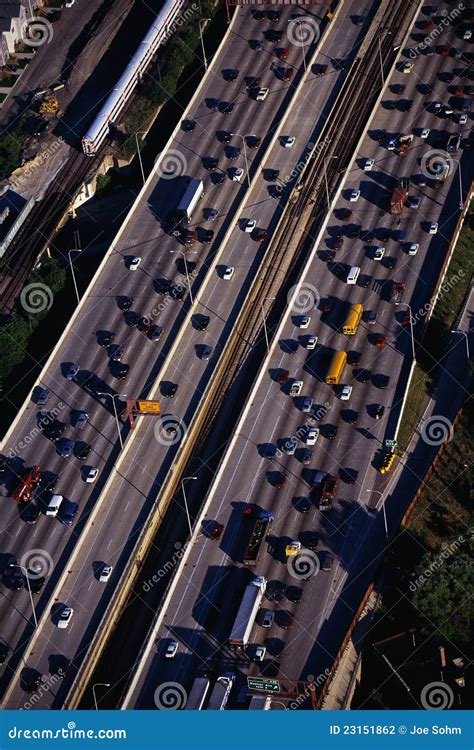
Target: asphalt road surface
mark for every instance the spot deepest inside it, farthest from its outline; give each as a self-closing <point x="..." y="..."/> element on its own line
<point x="120" y="517"/>
<point x="207" y="595"/>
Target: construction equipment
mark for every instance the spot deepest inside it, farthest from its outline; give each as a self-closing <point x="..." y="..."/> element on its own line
<point x="49" y="106"/>
<point x="404" y="143"/>
<point x="24" y="489"/>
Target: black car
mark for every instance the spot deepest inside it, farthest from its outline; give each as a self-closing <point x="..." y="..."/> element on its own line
<point x="4" y="651"/>
<point x="41" y="396"/>
<point x="207" y="236"/>
<point x="350" y="416"/>
<point x="311" y="540"/>
<point x="302" y="504"/>
<point x="363" y="376"/>
<point x="218" y="178"/>
<point x="131" y="318"/>
<point x="144" y="324"/>
<point x="230" y="75"/>
<point x="49" y="480"/>
<point x="121" y="370"/>
<point x="35" y="582"/>
<point x="31" y="679"/>
<point x="105" y="338"/>
<point x="162" y="286"/>
<point x="364" y="281"/>
<point x="125" y="303"/>
<point x="353" y="358"/>
<point x="210" y="163"/>
<point x="29" y="512"/>
<point x="276" y="592"/>
<point x="390" y="262"/>
<point x="82" y="450"/>
<point x="188" y="125"/>
<point x="226" y="137"/>
<point x="227" y="108"/>
<point x="294" y="594"/>
<point x="155" y="333"/>
<point x="329" y="431"/>
<point x="381" y="381"/>
<point x="13" y="578"/>
<point x="327" y="561"/>
<point x="201" y="322"/>
<point x="171" y="390"/>
<point x="54" y="430"/>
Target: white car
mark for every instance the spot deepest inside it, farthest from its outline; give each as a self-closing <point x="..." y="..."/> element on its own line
<point x="467" y="35"/>
<point x="433" y="229"/>
<point x="228" y="273"/>
<point x="171" y="650"/>
<point x="289" y="141"/>
<point x="249" y="225"/>
<point x="134" y="263"/>
<point x="425" y="133"/>
<point x="369" y="163"/>
<point x="260" y="652"/>
<point x="354" y="196"/>
<point x="105" y="573"/>
<point x="304" y="321"/>
<point x="407" y="67"/>
<point x="90" y="474"/>
<point x="391" y="145"/>
<point x="311" y="435"/>
<point x="261" y="95"/>
<point x="69" y="3"/>
<point x="65" y="618"/>
<point x="311" y="342"/>
<point x="379" y="252"/>
<point x="346" y="392"/>
<point x="461" y="118"/>
<point x="413" y="249"/>
<point x="237" y="174"/>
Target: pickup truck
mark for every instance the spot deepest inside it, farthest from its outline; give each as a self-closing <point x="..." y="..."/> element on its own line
<point x="296" y="388"/>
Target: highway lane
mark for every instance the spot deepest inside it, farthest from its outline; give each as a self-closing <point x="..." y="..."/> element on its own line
<point x="206" y="598"/>
<point x="140" y="483"/>
<point x="144" y="236"/>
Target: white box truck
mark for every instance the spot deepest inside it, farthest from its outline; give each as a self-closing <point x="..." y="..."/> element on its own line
<point x="248" y="609"/>
<point x="220" y="692"/>
<point x="191" y="197"/>
<point x="198" y="694"/>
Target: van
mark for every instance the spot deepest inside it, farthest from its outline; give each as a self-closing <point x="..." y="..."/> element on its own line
<point x="67" y="512"/>
<point x="54" y="505"/>
<point x="353" y="275"/>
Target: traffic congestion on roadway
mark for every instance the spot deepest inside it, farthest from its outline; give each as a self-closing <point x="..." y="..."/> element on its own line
<point x="310" y="443"/>
<point x="64" y="446"/>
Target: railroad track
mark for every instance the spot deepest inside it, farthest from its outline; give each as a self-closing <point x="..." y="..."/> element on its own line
<point x="42" y="224"/>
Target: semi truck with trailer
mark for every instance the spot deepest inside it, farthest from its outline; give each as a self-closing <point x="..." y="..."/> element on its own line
<point x="399" y="196"/>
<point x="261" y="525"/>
<point x="220" y="692"/>
<point x="191" y="197"/>
<point x="398" y="291"/>
<point x="248" y="609"/>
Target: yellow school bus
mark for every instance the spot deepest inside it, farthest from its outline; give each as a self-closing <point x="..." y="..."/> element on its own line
<point x="352" y="320"/>
<point x="336" y="368"/>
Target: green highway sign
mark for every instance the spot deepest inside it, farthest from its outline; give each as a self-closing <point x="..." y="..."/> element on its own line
<point x="260" y="683"/>
<point x="391" y="443"/>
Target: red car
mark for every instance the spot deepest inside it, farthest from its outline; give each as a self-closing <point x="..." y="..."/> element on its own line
<point x="406" y="319"/>
<point x="282" y="377"/>
<point x="283" y="53"/>
<point x="216" y="532"/>
<point x="280" y="481"/>
<point x="261" y="235"/>
<point x="380" y="340"/>
<point x="287" y="74"/>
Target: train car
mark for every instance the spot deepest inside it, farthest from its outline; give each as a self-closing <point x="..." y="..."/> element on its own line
<point x="115" y="102"/>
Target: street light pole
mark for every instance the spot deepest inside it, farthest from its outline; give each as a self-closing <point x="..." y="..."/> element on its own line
<point x="74" y="250"/>
<point x="466" y="336"/>
<point x="113" y="396"/>
<point x="25" y="573"/>
<point x="300" y="23"/>
<point x="178" y="250"/>
<point x="383" y="510"/>
<point x="264" y="321"/>
<point x="98" y="684"/>
<point x="411" y="328"/>
<point x="140" y="132"/>
<point x="184" y="479"/>
<point x="201" y="21"/>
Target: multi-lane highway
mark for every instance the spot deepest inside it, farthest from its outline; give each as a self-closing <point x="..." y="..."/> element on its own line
<point x="205" y="600"/>
<point x="121" y="515"/>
